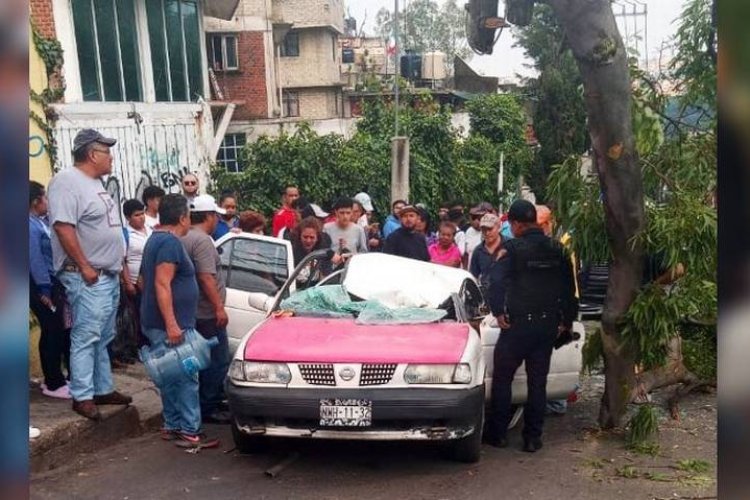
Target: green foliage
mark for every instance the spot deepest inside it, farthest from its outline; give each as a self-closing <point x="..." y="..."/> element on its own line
<point x="50" y="50"/>
<point x="643" y="428"/>
<point x="694" y="466"/>
<point x="442" y="165"/>
<point x="500" y="119"/>
<point x="648" y="448"/>
<point x="699" y="351"/>
<point x="694" y="65"/>
<point x="628" y="472"/>
<point x="559" y="108"/>
<point x="592" y="353"/>
<point x="579" y="210"/>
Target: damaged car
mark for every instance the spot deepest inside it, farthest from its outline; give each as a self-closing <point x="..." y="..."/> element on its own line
<point x="385" y="348"/>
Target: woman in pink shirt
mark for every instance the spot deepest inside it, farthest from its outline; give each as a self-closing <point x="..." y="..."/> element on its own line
<point x="445" y="251"/>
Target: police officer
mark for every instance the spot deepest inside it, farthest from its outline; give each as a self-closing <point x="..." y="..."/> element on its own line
<point x="532" y="294"/>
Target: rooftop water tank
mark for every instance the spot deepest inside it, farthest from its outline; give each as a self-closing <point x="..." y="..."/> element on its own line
<point x="411" y="66"/>
<point x="433" y="66"/>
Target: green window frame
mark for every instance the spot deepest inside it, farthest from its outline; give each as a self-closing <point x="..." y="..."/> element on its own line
<point x="107" y="46"/>
<point x="176" y="54"/>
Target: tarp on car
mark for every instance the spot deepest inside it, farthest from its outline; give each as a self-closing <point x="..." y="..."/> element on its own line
<point x="332" y="301"/>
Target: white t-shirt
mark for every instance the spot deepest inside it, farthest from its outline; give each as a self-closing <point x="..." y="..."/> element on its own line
<point x="136" y="244"/>
<point x="473" y="239"/>
<point x="152" y="222"/>
<point x="460" y="239"/>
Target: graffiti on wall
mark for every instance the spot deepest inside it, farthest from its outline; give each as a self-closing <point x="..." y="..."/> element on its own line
<point x="37" y="146"/>
<point x="157" y="154"/>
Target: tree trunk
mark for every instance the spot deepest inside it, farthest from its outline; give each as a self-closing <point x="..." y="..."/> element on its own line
<point x="592" y="35"/>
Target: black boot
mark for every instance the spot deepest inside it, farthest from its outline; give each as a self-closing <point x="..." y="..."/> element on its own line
<point x="531" y="445"/>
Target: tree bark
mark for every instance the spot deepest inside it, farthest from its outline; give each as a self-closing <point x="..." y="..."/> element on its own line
<point x="593" y="37"/>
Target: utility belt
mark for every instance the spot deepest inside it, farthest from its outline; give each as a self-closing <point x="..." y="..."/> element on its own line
<point x="72" y="267"/>
<point x="533" y="317"/>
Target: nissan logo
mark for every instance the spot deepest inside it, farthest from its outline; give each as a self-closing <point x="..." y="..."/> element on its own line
<point x="347" y="373"/>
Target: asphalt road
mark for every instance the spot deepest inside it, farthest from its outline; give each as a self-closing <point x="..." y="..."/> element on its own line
<point x="576" y="462"/>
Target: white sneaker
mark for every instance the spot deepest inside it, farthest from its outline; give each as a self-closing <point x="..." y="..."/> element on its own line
<point x="34" y="432"/>
<point x="62" y="392"/>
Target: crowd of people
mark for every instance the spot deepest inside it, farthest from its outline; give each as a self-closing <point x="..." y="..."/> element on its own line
<point x="162" y="267"/>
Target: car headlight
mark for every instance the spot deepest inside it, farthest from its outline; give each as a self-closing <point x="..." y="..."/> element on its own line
<point x="253" y="371"/>
<point x="438" y="374"/>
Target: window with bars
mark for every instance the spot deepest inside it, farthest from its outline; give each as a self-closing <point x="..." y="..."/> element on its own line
<point x="107" y="46"/>
<point x="290" y="45"/>
<point x="223" y="52"/>
<point x="229" y="152"/>
<point x="290" y="102"/>
<point x="174" y="37"/>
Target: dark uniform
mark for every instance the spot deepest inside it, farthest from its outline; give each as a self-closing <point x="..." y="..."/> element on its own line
<point x="532" y="283"/>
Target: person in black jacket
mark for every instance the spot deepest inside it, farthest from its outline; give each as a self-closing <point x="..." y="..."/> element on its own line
<point x="405" y="241"/>
<point x="532" y="294"/>
<point x="307" y="237"/>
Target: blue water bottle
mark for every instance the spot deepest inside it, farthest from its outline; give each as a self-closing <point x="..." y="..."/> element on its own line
<point x="166" y="364"/>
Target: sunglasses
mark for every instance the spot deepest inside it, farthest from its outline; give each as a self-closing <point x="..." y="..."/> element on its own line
<point x="476" y="217"/>
<point x="189" y="183"/>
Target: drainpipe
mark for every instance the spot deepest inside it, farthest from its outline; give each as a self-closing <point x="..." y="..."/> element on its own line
<point x="278" y="78"/>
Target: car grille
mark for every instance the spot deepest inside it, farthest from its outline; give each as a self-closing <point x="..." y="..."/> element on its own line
<point x="318" y="374"/>
<point x="377" y="374"/>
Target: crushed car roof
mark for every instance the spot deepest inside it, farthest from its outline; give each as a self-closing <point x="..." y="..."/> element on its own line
<point x="400" y="282"/>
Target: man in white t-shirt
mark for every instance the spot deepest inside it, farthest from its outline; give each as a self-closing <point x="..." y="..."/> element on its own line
<point x="138" y="234"/>
<point x="152" y="196"/>
<point x="347" y="237"/>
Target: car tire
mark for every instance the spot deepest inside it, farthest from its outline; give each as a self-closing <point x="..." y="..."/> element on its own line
<point x="247" y="444"/>
<point x="468" y="449"/>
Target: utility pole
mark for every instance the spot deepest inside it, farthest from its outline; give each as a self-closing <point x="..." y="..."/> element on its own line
<point x="399" y="145"/>
<point x="397" y="66"/>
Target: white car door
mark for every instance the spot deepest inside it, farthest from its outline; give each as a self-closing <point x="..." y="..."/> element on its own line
<point x="564" y="370"/>
<point x="251" y="263"/>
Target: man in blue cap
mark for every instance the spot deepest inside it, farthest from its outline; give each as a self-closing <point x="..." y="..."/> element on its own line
<point x="88" y="250"/>
<point x="532" y="294"/>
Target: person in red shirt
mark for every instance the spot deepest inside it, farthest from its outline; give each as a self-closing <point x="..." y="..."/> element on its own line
<point x="286" y="216"/>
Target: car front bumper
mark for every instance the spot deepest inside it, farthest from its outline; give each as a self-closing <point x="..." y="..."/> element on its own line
<point x="397" y="414"/>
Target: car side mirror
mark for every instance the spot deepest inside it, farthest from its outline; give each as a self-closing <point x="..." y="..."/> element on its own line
<point x="260" y="301"/>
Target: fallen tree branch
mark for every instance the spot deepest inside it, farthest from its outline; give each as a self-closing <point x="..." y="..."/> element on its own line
<point x="673" y="372"/>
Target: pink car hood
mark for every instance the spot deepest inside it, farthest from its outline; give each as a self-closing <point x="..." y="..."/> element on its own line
<point x="325" y="340"/>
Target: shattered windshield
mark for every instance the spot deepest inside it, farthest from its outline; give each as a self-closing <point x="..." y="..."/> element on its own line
<point x="333" y="301"/>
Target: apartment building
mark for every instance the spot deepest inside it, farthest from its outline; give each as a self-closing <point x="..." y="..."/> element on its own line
<point x="278" y="61"/>
<point x="136" y="70"/>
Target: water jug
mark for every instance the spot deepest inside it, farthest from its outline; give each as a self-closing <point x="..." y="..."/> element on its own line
<point x="166" y="364"/>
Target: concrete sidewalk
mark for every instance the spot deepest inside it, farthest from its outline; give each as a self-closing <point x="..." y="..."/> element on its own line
<point x="64" y="433"/>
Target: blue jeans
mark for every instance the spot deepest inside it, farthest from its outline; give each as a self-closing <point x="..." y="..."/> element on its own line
<point x="212" y="378"/>
<point x="93" y="309"/>
<point x="179" y="399"/>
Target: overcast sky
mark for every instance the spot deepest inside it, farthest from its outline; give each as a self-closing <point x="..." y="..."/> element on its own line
<point x="506" y="61"/>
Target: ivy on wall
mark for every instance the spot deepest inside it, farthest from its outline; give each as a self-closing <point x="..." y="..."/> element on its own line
<point x="51" y="53"/>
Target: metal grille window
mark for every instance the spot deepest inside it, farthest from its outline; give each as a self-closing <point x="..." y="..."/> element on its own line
<point x="377" y="374"/>
<point x="174" y="36"/>
<point x="107" y="46"/>
<point x="229" y="152"/>
<point x="223" y="52"/>
<point x="317" y="373"/>
<point x="291" y="103"/>
<point x="290" y="45"/>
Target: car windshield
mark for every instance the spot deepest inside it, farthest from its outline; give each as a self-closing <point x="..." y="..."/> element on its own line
<point x="333" y="301"/>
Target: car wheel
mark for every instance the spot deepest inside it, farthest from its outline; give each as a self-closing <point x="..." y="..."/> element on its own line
<point x="247" y="444"/>
<point x="468" y="449"/>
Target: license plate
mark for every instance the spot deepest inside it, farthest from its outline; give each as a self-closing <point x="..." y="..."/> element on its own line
<point x="345" y="412"/>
